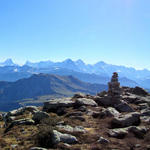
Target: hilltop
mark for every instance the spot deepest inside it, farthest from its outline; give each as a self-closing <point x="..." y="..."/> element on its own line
<point x="115" y="119"/>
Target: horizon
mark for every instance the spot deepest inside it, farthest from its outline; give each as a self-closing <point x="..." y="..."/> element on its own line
<point x="71" y="60"/>
<point x="113" y="31"/>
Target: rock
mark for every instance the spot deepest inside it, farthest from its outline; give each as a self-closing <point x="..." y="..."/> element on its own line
<point x="103" y="140"/>
<point x="145" y="119"/>
<point x="54" y="105"/>
<point x="145" y="112"/>
<point x="118" y="133"/>
<point x="126" y="120"/>
<point x="139" y="131"/>
<point x="15" y="112"/>
<point x="65" y="138"/>
<point x="37" y="148"/>
<point x="131" y="98"/>
<point x="85" y="102"/>
<point x="79" y="95"/>
<point x="31" y="109"/>
<point x="124" y="107"/>
<point x="139" y="91"/>
<point x="103" y="101"/>
<point x="1" y="117"/>
<point x="21" y="110"/>
<point x="68" y="128"/>
<point x="20" y="122"/>
<point x="82" y="108"/>
<point x="143" y="106"/>
<point x="40" y="115"/>
<point x="112" y="112"/>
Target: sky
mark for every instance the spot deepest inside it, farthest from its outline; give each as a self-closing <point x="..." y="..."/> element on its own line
<point x="113" y="31"/>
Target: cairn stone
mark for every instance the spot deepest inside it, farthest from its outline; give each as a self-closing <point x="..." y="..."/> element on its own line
<point x="114" y="91"/>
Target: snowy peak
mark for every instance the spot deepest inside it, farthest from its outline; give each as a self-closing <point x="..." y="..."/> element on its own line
<point x="8" y="62"/>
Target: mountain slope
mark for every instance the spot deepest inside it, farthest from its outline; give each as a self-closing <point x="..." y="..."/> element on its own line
<point x="44" y="84"/>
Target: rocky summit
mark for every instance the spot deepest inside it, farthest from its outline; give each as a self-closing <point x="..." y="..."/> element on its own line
<point x="117" y="119"/>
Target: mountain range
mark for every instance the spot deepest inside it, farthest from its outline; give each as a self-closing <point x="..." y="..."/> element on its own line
<point x="97" y="73"/>
<point x="11" y="93"/>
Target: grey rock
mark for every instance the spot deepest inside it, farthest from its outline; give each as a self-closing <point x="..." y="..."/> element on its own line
<point x="139" y="91"/>
<point x="20" y="122"/>
<point x="103" y="140"/>
<point x="68" y="128"/>
<point x="54" y="105"/>
<point x="145" y="112"/>
<point x="112" y="112"/>
<point x="126" y="120"/>
<point x="85" y="102"/>
<point x="40" y="115"/>
<point x="131" y="98"/>
<point x="65" y="138"/>
<point x="139" y="131"/>
<point x="124" y="107"/>
<point x="118" y="133"/>
<point x="79" y="95"/>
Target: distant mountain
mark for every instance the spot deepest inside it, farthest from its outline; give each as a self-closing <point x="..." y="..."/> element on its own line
<point x="97" y="73"/>
<point x="100" y="68"/>
<point x="12" y="73"/>
<point x="7" y="62"/>
<point x="44" y="84"/>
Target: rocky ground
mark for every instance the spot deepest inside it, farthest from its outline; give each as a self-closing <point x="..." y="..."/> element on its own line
<point x="83" y="122"/>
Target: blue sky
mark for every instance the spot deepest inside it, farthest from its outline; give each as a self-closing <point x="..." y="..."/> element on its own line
<point x="114" y="31"/>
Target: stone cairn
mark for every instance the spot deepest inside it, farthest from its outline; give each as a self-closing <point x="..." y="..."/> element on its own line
<point x="114" y="91"/>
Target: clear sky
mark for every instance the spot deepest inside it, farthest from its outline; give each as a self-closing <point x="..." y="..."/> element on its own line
<point x="114" y="31"/>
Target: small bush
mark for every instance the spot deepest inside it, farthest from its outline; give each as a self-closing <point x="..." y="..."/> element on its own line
<point x="44" y="137"/>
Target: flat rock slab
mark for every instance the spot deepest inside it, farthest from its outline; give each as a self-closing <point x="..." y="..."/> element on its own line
<point x="85" y="102"/>
<point x="58" y="103"/>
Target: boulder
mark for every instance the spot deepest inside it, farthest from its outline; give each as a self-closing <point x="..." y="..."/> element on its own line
<point x="21" y="110"/>
<point x="118" y="133"/>
<point x="112" y="112"/>
<point x="85" y="102"/>
<point x="145" y="112"/>
<point x="126" y="120"/>
<point x="102" y="140"/>
<point x="68" y="128"/>
<point x="143" y="106"/>
<point x="65" y="138"/>
<point x="124" y="107"/>
<point x="26" y="121"/>
<point x="139" y="91"/>
<point x="103" y="101"/>
<point x="131" y="98"/>
<point x="79" y="95"/>
<point x="31" y="109"/>
<point x="40" y="115"/>
<point x="139" y="131"/>
<point x="55" y="105"/>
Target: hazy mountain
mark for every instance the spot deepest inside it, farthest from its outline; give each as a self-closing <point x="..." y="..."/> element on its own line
<point x="7" y="62"/>
<point x="12" y="73"/>
<point x="45" y="84"/>
<point x="96" y="73"/>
